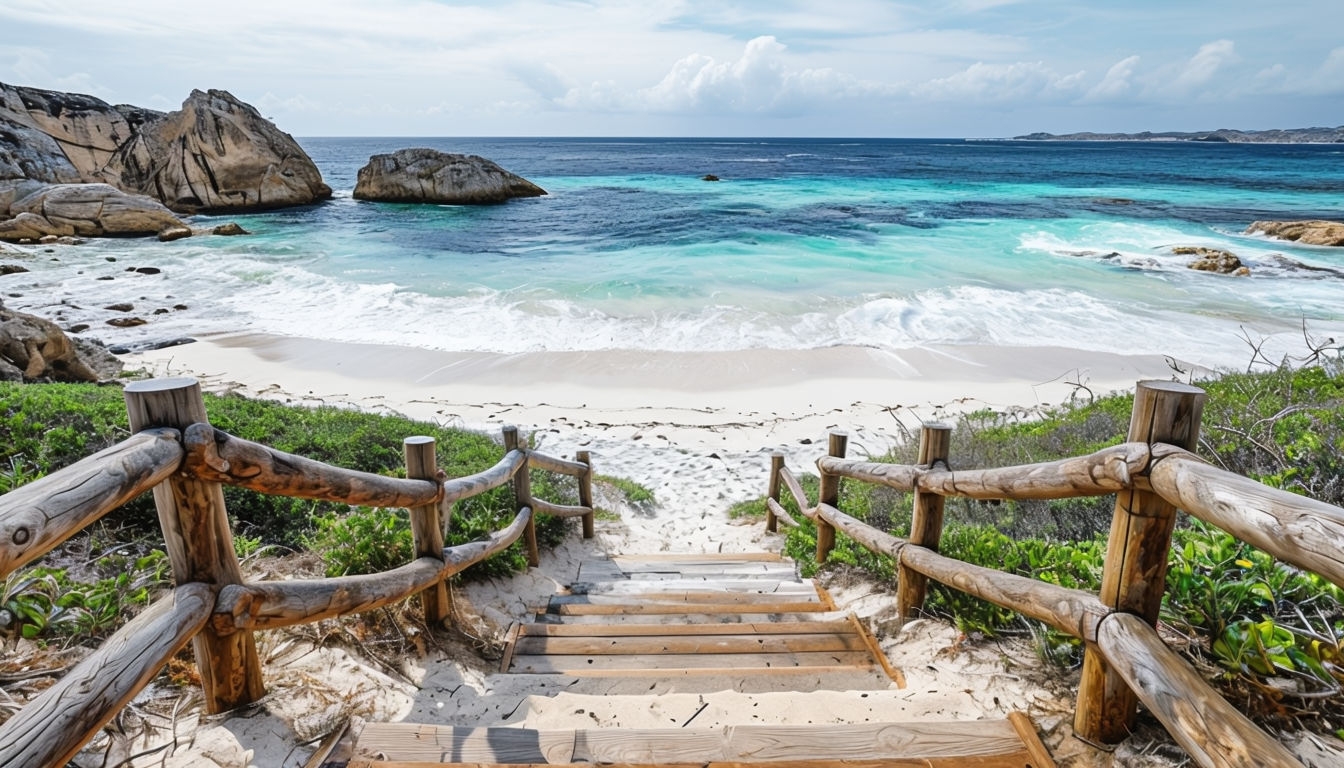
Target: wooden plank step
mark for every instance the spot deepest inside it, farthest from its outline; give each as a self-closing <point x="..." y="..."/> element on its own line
<point x="743" y="663"/>
<point x="606" y="570"/>
<point x="967" y="741"/>
<point x="700" y="629"/>
<point x="586" y="608"/>
<point x="692" y="586"/>
<point x="749" y="599"/>
<point x="845" y="639"/>
<point x="729" y="618"/>
<point x="702" y="558"/>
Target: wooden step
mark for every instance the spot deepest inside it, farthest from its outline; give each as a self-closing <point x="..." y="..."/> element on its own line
<point x="728" y="618"/>
<point x="978" y="744"/>
<point x="767" y="627"/>
<point x="584" y="607"/>
<point x="764" y="586"/>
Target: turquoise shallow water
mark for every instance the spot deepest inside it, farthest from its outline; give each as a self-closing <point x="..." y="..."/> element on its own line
<point x="803" y="244"/>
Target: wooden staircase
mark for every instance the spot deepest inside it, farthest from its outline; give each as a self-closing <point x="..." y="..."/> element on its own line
<point x="747" y="618"/>
<point x="673" y="624"/>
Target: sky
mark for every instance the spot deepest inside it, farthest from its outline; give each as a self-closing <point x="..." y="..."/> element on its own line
<point x="861" y="68"/>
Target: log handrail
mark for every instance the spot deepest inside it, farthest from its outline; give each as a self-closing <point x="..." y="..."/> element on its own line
<point x="1295" y="529"/>
<point x="559" y="510"/>
<point x="186" y="461"/>
<point x="52" y="728"/>
<point x="1106" y="471"/>
<point x="474" y="485"/>
<point x="216" y="456"/>
<point x="795" y="490"/>
<point x="37" y="517"/>
<point x="547" y="463"/>
<point x="1117" y="631"/>
<point x="274" y="604"/>
<point x="1209" y="728"/>
<point x="781" y="514"/>
<point x="1072" y="611"/>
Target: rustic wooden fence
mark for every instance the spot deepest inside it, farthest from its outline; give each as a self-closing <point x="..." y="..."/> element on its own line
<point x="1153" y="474"/>
<point x="176" y="452"/>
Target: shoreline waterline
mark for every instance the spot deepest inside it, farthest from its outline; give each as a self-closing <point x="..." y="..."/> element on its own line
<point x="737" y="401"/>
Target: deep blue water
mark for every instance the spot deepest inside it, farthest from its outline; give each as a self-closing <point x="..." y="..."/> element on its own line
<point x="803" y="243"/>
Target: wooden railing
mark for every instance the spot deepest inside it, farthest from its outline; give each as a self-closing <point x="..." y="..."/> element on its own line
<point x="176" y="452"/>
<point x="1153" y="474"/>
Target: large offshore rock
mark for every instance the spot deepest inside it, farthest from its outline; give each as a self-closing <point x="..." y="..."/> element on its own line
<point x="431" y="176"/>
<point x="86" y="210"/>
<point x="217" y="154"/>
<point x="1306" y="232"/>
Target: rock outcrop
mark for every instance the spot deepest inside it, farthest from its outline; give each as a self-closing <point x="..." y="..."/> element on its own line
<point x="1213" y="260"/>
<point x="215" y="154"/>
<point x="34" y="349"/>
<point x="1306" y="232"/>
<point x="31" y="211"/>
<point x="430" y="176"/>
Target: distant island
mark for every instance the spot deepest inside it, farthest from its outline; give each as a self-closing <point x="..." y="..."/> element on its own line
<point x="1222" y="135"/>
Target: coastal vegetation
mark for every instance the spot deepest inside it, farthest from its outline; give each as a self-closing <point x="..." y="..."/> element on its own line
<point x="1272" y="636"/>
<point x="86" y="589"/>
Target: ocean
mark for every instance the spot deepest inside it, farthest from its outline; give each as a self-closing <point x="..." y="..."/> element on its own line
<point x="803" y="243"/>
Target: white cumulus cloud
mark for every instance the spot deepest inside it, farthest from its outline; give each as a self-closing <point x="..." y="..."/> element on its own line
<point x="1206" y="63"/>
<point x="1117" y="82"/>
<point x="999" y="83"/>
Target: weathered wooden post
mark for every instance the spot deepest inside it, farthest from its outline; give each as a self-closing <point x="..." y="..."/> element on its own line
<point x="1135" y="571"/>
<point x="199" y="541"/>
<point x="776" y="480"/>
<point x="586" y="492"/>
<point x="427" y="525"/>
<point x="829" y="494"/>
<point x="926" y="521"/>
<point x="522" y="494"/>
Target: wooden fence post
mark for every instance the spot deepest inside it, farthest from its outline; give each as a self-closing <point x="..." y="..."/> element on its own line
<point x="829" y="494"/>
<point x="776" y="480"/>
<point x="1135" y="572"/>
<point x="427" y="526"/>
<point x="926" y="522"/>
<point x="199" y="541"/>
<point x="586" y="492"/>
<point x="522" y="494"/>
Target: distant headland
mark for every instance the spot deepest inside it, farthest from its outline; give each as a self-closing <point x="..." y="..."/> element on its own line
<point x="1222" y="135"/>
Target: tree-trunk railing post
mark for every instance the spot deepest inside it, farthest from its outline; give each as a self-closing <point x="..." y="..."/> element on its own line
<point x="776" y="480"/>
<point x="586" y="493"/>
<point x="926" y="521"/>
<point x="199" y="542"/>
<point x="1135" y="571"/>
<point x="829" y="494"/>
<point x="427" y="526"/>
<point x="522" y="494"/>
